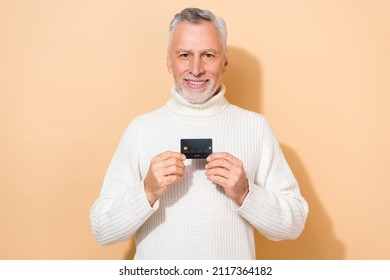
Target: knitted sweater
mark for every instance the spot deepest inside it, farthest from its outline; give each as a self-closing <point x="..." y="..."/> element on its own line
<point x="195" y="219"/>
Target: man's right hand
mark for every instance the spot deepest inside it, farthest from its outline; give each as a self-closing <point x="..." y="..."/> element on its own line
<point x="164" y="170"/>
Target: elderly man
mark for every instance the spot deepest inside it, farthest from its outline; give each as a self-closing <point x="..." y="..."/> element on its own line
<point x="181" y="208"/>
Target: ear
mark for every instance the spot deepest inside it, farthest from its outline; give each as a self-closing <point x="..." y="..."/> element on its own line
<point x="169" y="65"/>
<point x="224" y="69"/>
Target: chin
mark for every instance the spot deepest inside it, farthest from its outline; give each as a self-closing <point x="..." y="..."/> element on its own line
<point x="197" y="98"/>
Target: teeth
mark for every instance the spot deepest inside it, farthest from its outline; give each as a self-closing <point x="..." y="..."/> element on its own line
<point x="196" y="82"/>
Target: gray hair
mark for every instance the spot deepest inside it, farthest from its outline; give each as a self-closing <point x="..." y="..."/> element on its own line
<point x="195" y="15"/>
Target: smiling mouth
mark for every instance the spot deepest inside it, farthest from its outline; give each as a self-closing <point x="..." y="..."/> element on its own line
<point x="196" y="82"/>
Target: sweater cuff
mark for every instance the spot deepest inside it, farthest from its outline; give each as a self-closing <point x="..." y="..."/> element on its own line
<point x="252" y="202"/>
<point x="141" y="204"/>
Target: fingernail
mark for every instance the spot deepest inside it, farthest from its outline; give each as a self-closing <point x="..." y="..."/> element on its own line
<point x="183" y="157"/>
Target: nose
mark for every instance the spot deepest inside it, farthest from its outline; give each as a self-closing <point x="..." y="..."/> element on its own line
<point x="196" y="66"/>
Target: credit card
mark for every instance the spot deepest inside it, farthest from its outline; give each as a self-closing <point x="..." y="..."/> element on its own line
<point x="196" y="148"/>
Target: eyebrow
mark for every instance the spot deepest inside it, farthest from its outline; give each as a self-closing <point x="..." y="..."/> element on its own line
<point x="183" y="50"/>
<point x="191" y="51"/>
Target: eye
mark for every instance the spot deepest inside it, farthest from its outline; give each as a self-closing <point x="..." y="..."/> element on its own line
<point x="209" y="55"/>
<point x="184" y="55"/>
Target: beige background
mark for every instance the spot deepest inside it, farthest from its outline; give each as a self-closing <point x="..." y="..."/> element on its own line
<point x="74" y="73"/>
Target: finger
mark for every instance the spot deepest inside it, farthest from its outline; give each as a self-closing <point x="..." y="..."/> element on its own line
<point x="171" y="179"/>
<point x="171" y="162"/>
<point x="219" y="172"/>
<point x="219" y="163"/>
<point x="166" y="176"/>
<point x="170" y="167"/>
<point x="164" y="160"/>
<point x="174" y="170"/>
<point x="169" y="154"/>
<point x="223" y="155"/>
<point x="160" y="170"/>
<point x="218" y="180"/>
<point x="232" y="168"/>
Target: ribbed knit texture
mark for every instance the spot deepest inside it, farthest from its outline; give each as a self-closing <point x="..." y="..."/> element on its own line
<point x="195" y="219"/>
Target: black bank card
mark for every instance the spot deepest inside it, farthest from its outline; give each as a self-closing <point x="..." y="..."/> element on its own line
<point x="196" y="148"/>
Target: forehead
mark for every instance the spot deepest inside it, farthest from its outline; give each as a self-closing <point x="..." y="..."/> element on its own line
<point x="203" y="35"/>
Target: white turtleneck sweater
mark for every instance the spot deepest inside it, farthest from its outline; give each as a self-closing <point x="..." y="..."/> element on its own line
<point x="195" y="219"/>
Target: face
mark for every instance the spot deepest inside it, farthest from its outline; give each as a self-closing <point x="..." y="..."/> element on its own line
<point x="197" y="60"/>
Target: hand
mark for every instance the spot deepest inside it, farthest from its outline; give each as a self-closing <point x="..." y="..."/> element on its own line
<point x="164" y="170"/>
<point x="228" y="172"/>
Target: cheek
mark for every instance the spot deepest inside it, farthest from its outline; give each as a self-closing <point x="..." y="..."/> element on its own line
<point x="218" y="73"/>
<point x="178" y="67"/>
<point x="218" y="69"/>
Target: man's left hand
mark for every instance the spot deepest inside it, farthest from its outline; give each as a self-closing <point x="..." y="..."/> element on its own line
<point x="228" y="172"/>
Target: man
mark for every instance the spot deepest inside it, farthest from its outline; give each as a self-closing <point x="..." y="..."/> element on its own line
<point x="182" y="208"/>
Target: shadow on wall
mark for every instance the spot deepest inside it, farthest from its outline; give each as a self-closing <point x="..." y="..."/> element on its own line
<point x="318" y="240"/>
<point x="243" y="80"/>
<point x="131" y="251"/>
<point x="244" y="89"/>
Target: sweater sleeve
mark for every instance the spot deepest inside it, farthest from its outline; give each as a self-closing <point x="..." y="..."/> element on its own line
<point x="122" y="206"/>
<point x="274" y="205"/>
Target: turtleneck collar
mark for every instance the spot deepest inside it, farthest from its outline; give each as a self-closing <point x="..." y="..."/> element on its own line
<point x="215" y="105"/>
